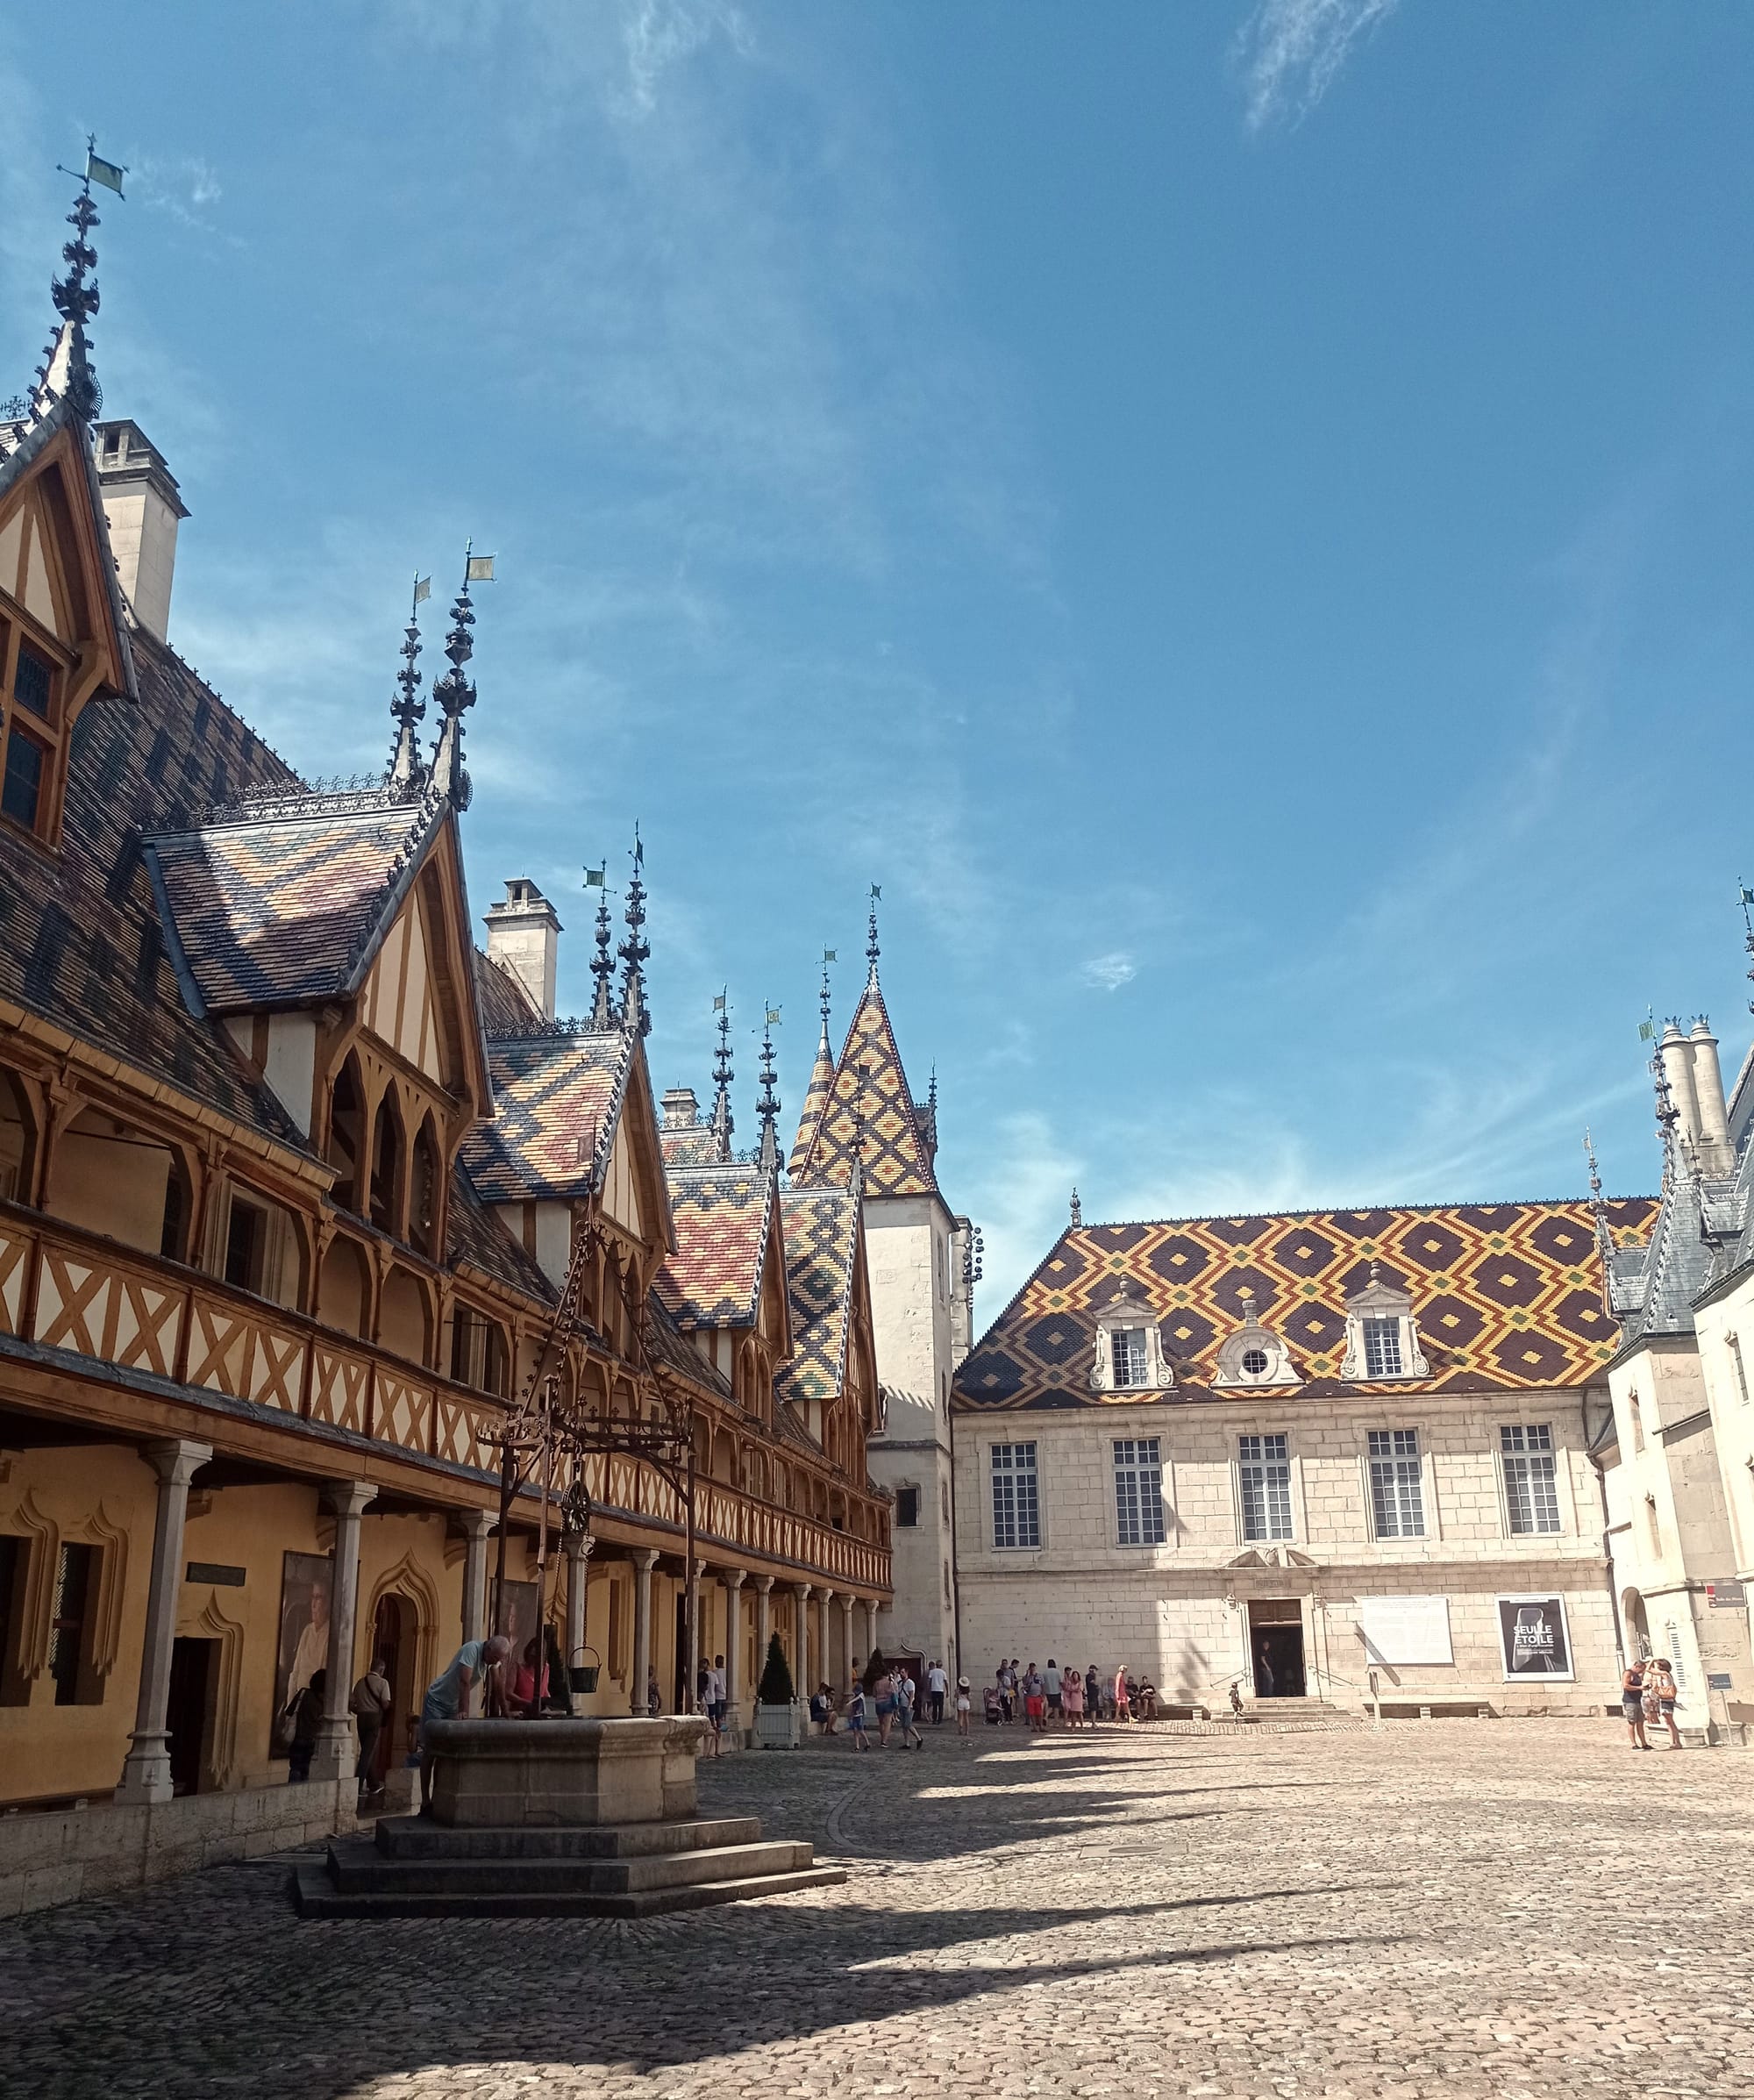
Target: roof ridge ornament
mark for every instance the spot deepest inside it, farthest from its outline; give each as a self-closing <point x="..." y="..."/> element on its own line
<point x="602" y="962"/>
<point x="830" y="956"/>
<point x="872" y="950"/>
<point x="767" y="1100"/>
<point x="66" y="370"/>
<point x="454" y="693"/>
<point x="1604" y="1230"/>
<point x="635" y="951"/>
<point x="1746" y="896"/>
<point x="723" y="1121"/>
<point x="408" y="710"/>
<point x="1077" y="1222"/>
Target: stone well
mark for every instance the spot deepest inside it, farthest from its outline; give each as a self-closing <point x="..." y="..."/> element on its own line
<point x="511" y="1774"/>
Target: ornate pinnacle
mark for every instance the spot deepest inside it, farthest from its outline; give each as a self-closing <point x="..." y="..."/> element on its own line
<point x="634" y="951"/>
<point x="871" y="947"/>
<point x="602" y="968"/>
<point x="75" y="299"/>
<point x="1747" y="897"/>
<point x="1667" y="1116"/>
<point x="1604" y="1233"/>
<point x="408" y="709"/>
<point x="454" y="693"/>
<point x="767" y="1100"/>
<point x="723" y="1121"/>
<point x="828" y="957"/>
<point x="1077" y="1211"/>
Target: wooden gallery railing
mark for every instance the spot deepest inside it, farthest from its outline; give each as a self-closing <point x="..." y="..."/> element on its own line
<point x="66" y="1289"/>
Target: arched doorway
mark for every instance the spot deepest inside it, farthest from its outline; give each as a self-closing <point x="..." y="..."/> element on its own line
<point x="396" y="1627"/>
<point x="1638" y="1647"/>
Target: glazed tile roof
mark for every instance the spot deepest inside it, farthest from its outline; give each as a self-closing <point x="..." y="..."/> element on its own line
<point x="507" y="1008"/>
<point x="81" y="941"/>
<point x="821" y="1229"/>
<point x="288" y="908"/>
<point x="476" y="1236"/>
<point x="722" y="1215"/>
<point x="816" y="1102"/>
<point x="556" y="1099"/>
<point x="673" y="1349"/>
<point x="693" y="1146"/>
<point x="1504" y="1295"/>
<point x="870" y="1093"/>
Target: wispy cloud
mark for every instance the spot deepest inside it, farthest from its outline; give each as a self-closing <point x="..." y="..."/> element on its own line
<point x="658" y="34"/>
<point x="1109" y="973"/>
<point x="1291" y="51"/>
<point x="185" y="187"/>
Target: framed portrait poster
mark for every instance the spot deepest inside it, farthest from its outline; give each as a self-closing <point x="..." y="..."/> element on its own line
<point x="1534" y="1637"/>
<point x="307" y="1586"/>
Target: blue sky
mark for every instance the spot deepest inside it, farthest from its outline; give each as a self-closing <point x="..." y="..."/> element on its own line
<point x="1237" y="519"/>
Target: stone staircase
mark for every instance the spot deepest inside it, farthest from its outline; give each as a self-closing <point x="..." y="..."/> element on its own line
<point x="415" y="1868"/>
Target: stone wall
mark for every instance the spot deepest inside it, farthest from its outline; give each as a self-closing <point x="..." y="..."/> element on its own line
<point x="59" y="1857"/>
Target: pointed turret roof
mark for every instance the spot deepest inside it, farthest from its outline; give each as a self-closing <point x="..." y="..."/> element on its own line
<point x="869" y="1114"/>
<point x="821" y="1087"/>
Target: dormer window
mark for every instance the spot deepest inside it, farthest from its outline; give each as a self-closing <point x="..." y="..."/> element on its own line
<point x="1130" y="1353"/>
<point x="1382" y="1338"/>
<point x="1254" y="1355"/>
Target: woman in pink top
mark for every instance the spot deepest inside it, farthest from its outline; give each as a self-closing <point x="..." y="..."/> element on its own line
<point x="1123" y="1710"/>
<point x="1072" y="1697"/>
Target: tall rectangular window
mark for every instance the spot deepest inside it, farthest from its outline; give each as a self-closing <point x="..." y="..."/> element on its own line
<point x="1397" y="1495"/>
<point x="1732" y="1342"/>
<point x="68" y="1616"/>
<point x="1531" y="1487"/>
<point x="907" y="1508"/>
<point x="1016" y="1512"/>
<point x="1382" y="1348"/>
<point x="1128" y="1347"/>
<point x="1265" y="1472"/>
<point x="1138" y="1491"/>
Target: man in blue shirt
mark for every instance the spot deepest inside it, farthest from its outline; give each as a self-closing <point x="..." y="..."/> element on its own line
<point x="447" y="1697"/>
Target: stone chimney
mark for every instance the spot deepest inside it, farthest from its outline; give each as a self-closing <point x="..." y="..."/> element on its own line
<point x="1677" y="1053"/>
<point x="523" y="933"/>
<point x="682" y="1111"/>
<point x="1716" y="1154"/>
<point x="141" y="503"/>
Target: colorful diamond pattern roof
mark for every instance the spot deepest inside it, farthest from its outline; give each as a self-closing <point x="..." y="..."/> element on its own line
<point x="283" y="911"/>
<point x="721" y="1214"/>
<point x="816" y="1102"/>
<point x="556" y="1098"/>
<point x="871" y="1098"/>
<point x="822" y="1243"/>
<point x="1504" y="1295"/>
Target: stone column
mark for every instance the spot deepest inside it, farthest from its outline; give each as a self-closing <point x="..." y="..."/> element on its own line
<point x="801" y="1641"/>
<point x="145" y="1772"/>
<point x="644" y="1561"/>
<point x="825" y="1643"/>
<point x="578" y="1579"/>
<point x="764" y="1608"/>
<point x="733" y="1580"/>
<point x="870" y="1605"/>
<point x="337" y="1753"/>
<point x="846" y="1649"/>
<point x="477" y="1527"/>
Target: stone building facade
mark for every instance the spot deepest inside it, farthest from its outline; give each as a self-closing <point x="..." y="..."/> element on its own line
<point x="1302" y="1455"/>
<point x="304" y="1191"/>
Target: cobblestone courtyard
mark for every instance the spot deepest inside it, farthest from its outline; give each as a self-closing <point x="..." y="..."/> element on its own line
<point x="1447" y="1908"/>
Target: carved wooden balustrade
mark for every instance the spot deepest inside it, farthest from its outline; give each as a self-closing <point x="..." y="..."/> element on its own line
<point x="65" y="1288"/>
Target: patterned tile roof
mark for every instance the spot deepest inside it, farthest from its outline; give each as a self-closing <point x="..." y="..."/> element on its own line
<point x="723" y="1214"/>
<point x="871" y="1091"/>
<point x="672" y="1348"/>
<point x="821" y="1228"/>
<point x="1504" y="1295"/>
<point x="81" y="941"/>
<point x="815" y="1103"/>
<point x="288" y="908"/>
<point x="556" y="1100"/>
<point x="694" y="1145"/>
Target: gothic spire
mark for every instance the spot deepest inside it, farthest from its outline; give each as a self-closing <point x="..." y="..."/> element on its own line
<point x="1667" y="1115"/>
<point x="819" y="1093"/>
<point x="66" y="369"/>
<point x="824" y="1049"/>
<point x="407" y="708"/>
<point x="602" y="963"/>
<point x="723" y="1121"/>
<point x="635" y="951"/>
<point x="1604" y="1231"/>
<point x="871" y="947"/>
<point x="767" y="1100"/>
<point x="454" y="693"/>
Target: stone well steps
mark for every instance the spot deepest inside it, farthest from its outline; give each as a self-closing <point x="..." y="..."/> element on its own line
<point x="413" y="1868"/>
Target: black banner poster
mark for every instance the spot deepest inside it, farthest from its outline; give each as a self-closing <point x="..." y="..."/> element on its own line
<point x="1533" y="1636"/>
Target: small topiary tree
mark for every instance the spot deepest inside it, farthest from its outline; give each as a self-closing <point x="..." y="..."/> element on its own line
<point x="775" y="1689"/>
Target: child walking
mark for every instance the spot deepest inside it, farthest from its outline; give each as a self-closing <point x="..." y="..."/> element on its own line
<point x="964" y="1705"/>
<point x="855" y="1718"/>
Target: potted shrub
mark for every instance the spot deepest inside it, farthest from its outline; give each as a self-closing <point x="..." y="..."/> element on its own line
<point x="779" y="1723"/>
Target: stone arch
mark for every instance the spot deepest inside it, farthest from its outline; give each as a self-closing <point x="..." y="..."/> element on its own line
<point x="1636" y="1622"/>
<point x="426" y="1190"/>
<point x="405" y="1316"/>
<point x="389" y="1163"/>
<point x="212" y="1623"/>
<point x="19" y="1137"/>
<point x="344" y="1288"/>
<point x="344" y="1148"/>
<point x="410" y="1581"/>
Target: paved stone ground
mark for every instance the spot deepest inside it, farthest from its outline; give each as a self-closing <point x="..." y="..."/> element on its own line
<point x="1455" y="1909"/>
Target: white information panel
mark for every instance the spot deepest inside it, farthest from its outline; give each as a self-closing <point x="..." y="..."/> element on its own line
<point x="1406" y="1629"/>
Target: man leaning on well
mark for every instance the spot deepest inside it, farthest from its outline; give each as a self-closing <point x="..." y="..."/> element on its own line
<point x="448" y="1698"/>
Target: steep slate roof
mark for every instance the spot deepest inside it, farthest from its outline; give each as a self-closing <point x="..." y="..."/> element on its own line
<point x="869" y="1083"/>
<point x="723" y="1214"/>
<point x="556" y="1100"/>
<point x="1504" y="1295"/>
<point x="476" y="1236"/>
<point x="821" y="1229"/>
<point x="81" y="942"/>
<point x="287" y="907"/>
<point x="507" y="1008"/>
<point x="672" y="1349"/>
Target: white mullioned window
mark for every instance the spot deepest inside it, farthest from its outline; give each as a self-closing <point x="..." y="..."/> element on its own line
<point x="1127" y="1345"/>
<point x="1382" y="1348"/>
<point x="1138" y="1491"/>
<point x="1265" y="1471"/>
<point x="1016" y="1508"/>
<point x="1397" y="1493"/>
<point x="1531" y="1486"/>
